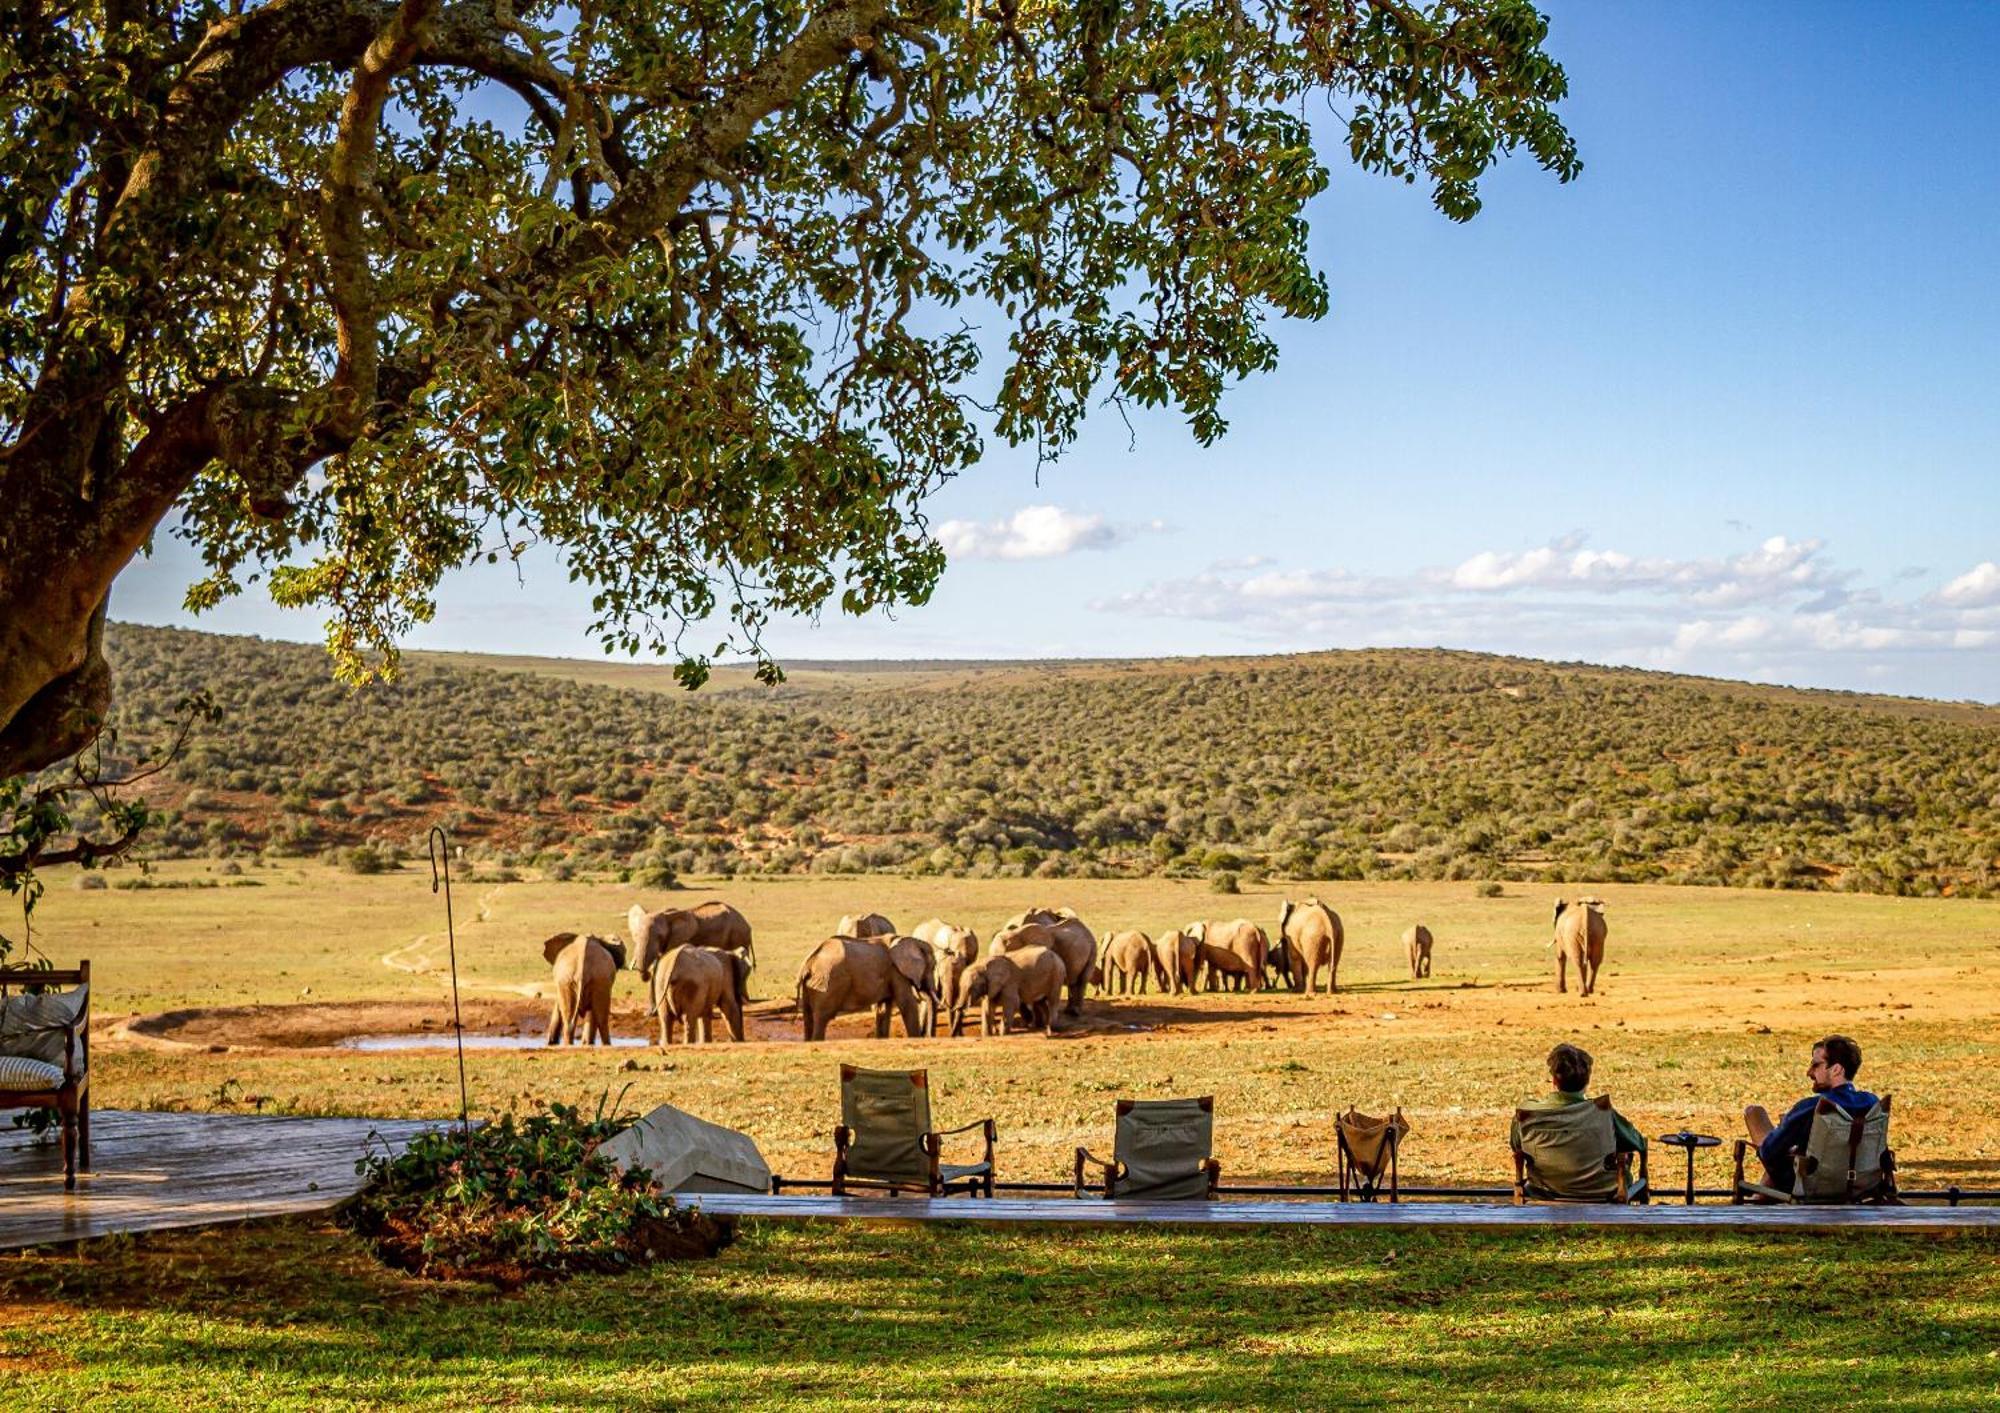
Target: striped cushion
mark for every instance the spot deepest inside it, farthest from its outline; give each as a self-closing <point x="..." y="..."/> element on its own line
<point x="20" y="1072"/>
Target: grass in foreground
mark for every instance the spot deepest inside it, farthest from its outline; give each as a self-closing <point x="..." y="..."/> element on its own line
<point x="296" y="1314"/>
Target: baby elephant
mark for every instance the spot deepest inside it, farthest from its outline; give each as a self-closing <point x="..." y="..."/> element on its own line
<point x="1417" y="941"/>
<point x="585" y="967"/>
<point x="692" y="984"/>
<point x="1029" y="980"/>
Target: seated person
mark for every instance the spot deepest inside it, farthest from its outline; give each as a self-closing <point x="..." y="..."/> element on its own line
<point x="1569" y="1072"/>
<point x="1835" y="1060"/>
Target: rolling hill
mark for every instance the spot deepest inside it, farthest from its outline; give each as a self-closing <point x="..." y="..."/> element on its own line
<point x="1375" y="764"/>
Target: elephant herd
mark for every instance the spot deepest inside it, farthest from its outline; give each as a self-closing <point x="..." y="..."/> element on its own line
<point x="697" y="961"/>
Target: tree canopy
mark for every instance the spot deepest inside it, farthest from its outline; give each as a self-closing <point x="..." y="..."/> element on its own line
<point x="697" y="291"/>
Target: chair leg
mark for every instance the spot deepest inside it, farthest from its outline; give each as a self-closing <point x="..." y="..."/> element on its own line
<point x="83" y="1133"/>
<point x="68" y="1113"/>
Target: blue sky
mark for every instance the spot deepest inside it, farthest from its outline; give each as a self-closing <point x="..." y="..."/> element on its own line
<point x="1726" y="405"/>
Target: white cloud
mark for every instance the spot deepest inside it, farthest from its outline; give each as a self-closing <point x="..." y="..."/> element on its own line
<point x="1782" y="610"/>
<point x="1977" y="587"/>
<point x="1032" y="532"/>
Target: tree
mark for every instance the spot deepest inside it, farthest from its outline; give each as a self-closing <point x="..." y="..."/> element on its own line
<point x="361" y="290"/>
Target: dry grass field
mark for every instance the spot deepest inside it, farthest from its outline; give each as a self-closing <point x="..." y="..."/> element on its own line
<point x="236" y="997"/>
<point x="1709" y="998"/>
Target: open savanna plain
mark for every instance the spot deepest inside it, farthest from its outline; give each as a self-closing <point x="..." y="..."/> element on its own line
<point x="236" y="998"/>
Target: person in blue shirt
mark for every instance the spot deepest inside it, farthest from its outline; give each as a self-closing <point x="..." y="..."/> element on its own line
<point x="1835" y="1061"/>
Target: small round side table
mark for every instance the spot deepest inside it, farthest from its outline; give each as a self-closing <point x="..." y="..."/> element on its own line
<point x="1690" y="1141"/>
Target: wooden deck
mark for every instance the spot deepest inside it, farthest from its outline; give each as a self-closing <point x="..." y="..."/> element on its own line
<point x="1068" y="1211"/>
<point x="153" y="1171"/>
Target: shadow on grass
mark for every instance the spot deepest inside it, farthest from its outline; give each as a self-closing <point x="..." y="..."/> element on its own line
<point x="913" y="1316"/>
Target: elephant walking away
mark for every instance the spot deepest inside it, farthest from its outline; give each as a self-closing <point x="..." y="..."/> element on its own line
<point x="1224" y="968"/>
<point x="1243" y="940"/>
<point x="1309" y="937"/>
<point x="1177" y="957"/>
<point x="711" y="924"/>
<point x="1127" y="963"/>
<point x="845" y="974"/>
<point x="585" y="967"/>
<point x="1579" y="939"/>
<point x="691" y="984"/>
<point x="1417" y="942"/>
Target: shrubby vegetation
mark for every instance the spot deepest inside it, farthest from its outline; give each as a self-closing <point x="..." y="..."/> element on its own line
<point x="1405" y="764"/>
<point x="511" y="1203"/>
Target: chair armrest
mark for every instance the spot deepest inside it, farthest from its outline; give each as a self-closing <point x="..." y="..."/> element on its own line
<point x="1085" y="1156"/>
<point x="987" y="1126"/>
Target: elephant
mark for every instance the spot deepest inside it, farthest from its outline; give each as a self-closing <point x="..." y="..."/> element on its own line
<point x="1579" y="938"/>
<point x="1222" y="965"/>
<point x="1417" y="942"/>
<point x="691" y="983"/>
<point x="1241" y="939"/>
<point x="1029" y="980"/>
<point x="1174" y="954"/>
<point x="712" y="924"/>
<point x="867" y="925"/>
<point x="1072" y="940"/>
<point x="1309" y="937"/>
<point x="1129" y="957"/>
<point x="845" y="974"/>
<point x="947" y="938"/>
<point x="585" y="968"/>
<point x="918" y="963"/>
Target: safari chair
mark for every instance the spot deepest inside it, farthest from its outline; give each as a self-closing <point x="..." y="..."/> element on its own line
<point x="1160" y="1152"/>
<point x="1368" y="1148"/>
<point x="45" y="1053"/>
<point x="1571" y="1155"/>
<point x="1846" y="1159"/>
<point x="885" y="1140"/>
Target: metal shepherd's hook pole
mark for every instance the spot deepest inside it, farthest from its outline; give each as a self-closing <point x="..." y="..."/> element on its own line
<point x="440" y="850"/>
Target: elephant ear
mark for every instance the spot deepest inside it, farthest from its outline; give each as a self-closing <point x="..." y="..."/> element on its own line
<point x="553" y="948"/>
<point x="1561" y="904"/>
<point x="1284" y="914"/>
<point x="617" y="951"/>
<point x="740" y="965"/>
<point x="912" y="964"/>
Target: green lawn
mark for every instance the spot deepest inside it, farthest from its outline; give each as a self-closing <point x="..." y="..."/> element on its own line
<point x="297" y="1315"/>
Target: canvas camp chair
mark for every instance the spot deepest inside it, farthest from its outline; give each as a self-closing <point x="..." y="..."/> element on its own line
<point x="885" y="1140"/>
<point x="1847" y="1158"/>
<point x="1368" y="1148"/>
<point x="1571" y="1155"/>
<point x="45" y="1053"/>
<point x="1160" y="1152"/>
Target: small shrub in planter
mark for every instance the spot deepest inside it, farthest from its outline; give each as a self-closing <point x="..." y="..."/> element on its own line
<point x="526" y="1201"/>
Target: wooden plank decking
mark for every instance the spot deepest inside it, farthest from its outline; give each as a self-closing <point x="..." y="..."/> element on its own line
<point x="1061" y="1210"/>
<point x="153" y="1171"/>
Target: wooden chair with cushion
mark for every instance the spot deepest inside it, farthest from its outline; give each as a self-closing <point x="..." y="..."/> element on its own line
<point x="885" y="1141"/>
<point x="1368" y="1151"/>
<point x="1161" y="1152"/>
<point x="1571" y="1155"/>
<point x="1846" y="1159"/>
<point x="45" y="1053"/>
